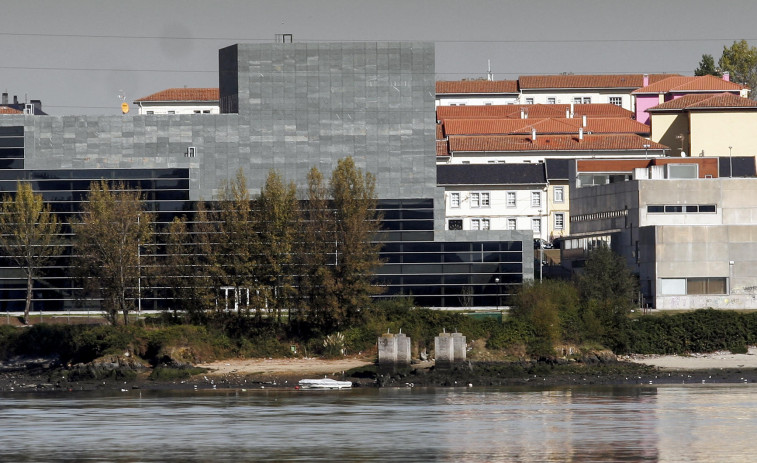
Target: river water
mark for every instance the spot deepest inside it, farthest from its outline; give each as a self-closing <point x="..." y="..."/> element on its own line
<point x="696" y="423"/>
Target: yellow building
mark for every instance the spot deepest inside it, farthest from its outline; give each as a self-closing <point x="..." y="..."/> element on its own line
<point x="706" y="125"/>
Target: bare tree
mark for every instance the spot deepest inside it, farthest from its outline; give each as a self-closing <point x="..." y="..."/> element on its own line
<point x="28" y="234"/>
<point x="107" y="238"/>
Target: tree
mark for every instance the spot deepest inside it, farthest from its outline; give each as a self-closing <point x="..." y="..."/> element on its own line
<point x="357" y="224"/>
<point x="607" y="289"/>
<point x="318" y="251"/>
<point x="107" y="238"/>
<point x="707" y="67"/>
<point x="551" y="309"/>
<point x="740" y="60"/>
<point x="28" y="235"/>
<point x="276" y="221"/>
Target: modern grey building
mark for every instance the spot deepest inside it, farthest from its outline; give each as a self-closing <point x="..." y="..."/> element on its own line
<point x="289" y="107"/>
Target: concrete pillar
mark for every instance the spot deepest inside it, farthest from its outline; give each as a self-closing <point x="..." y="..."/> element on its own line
<point x="450" y="347"/>
<point x="394" y="349"/>
<point x="443" y="348"/>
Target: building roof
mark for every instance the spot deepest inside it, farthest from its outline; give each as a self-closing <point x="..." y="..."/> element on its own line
<point x="686" y="84"/>
<point x="533" y="111"/>
<point x="492" y="126"/>
<point x="490" y="174"/>
<point x="442" y="148"/>
<point x="183" y="94"/>
<point x="8" y="110"/>
<point x="558" y="169"/>
<point x="586" y="81"/>
<point x="707" y="166"/>
<point x="706" y="101"/>
<point x="476" y="86"/>
<point x="518" y="143"/>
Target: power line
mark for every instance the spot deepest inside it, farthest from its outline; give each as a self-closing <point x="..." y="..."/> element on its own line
<point x="248" y="39"/>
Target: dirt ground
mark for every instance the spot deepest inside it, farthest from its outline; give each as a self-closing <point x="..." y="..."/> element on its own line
<point x="288" y="367"/>
<point x="699" y="361"/>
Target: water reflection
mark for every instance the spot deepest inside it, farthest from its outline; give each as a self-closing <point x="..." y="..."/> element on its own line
<point x="581" y="424"/>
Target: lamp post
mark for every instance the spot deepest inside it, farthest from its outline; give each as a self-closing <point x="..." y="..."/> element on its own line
<point x="730" y="161"/>
<point x="496" y="280"/>
<point x="646" y="151"/>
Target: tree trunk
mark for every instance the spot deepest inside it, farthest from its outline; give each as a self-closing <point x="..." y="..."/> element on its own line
<point x="28" y="306"/>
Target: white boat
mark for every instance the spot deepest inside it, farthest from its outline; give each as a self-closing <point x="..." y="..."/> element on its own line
<point x="325" y="383"/>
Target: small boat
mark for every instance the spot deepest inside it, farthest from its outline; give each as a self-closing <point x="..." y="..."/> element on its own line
<point x="325" y="383"/>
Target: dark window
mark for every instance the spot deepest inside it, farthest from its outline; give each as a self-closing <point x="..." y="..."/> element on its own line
<point x="673" y="208"/>
<point x="707" y="208"/>
<point x="455" y="224"/>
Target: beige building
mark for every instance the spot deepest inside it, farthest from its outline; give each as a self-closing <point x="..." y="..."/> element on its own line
<point x="706" y="125"/>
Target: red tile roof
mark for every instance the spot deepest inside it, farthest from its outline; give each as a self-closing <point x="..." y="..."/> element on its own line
<point x="476" y="86"/>
<point x="707" y="166"/>
<point x="9" y="110"/>
<point x="517" y="143"/>
<point x="706" y="101"/>
<point x="184" y="94"/>
<point x="587" y="81"/>
<point x="680" y="84"/>
<point x="534" y="111"/>
<point x="442" y="148"/>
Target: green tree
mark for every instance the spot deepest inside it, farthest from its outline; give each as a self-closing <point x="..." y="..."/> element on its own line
<point x="356" y="251"/>
<point x="28" y="235"/>
<point x="276" y="222"/>
<point x="551" y="308"/>
<point x="740" y="60"/>
<point x="607" y="288"/>
<point x="707" y="67"/>
<point x="317" y="285"/>
<point x="107" y="238"/>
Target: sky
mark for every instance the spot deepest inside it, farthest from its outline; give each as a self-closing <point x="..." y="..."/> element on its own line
<point x="82" y="56"/>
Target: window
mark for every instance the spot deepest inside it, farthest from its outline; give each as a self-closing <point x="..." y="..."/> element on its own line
<point x="551" y="101"/>
<point x="536" y="226"/>
<point x="454" y="200"/>
<point x="475" y="200"/>
<point x="559" y="194"/>
<point x="577" y="100"/>
<point x="529" y="101"/>
<point x="682" y="286"/>
<point x="587" y="100"/>
<point x="455" y="224"/>
<point x="511" y="224"/>
<point x="479" y="224"/>
<point x="559" y="221"/>
<point x="466" y="162"/>
<point x="479" y="199"/>
<point x="171" y="112"/>
<point x="535" y="199"/>
<point x="511" y="199"/>
<point x="616" y="100"/>
<point x="677" y="208"/>
<point x="150" y="112"/>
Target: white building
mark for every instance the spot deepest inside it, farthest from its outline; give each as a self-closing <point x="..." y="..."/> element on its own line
<point x="180" y="101"/>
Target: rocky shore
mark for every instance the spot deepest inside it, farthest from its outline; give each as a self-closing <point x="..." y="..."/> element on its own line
<point x="125" y="374"/>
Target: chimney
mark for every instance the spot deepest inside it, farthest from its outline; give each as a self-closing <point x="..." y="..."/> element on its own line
<point x="645" y="80"/>
<point x="567" y="113"/>
<point x="37" y="106"/>
<point x="727" y="76"/>
<point x="572" y="110"/>
<point x="583" y="120"/>
<point x="522" y="113"/>
<point x="533" y="134"/>
<point x="5" y="97"/>
<point x="581" y="133"/>
<point x="15" y="99"/>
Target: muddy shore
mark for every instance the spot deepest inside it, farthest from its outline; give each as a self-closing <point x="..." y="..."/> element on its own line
<point x="285" y="373"/>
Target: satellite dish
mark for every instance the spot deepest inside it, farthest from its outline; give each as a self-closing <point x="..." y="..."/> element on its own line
<point x="124" y="107"/>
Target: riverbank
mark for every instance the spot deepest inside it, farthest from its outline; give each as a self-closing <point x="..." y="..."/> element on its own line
<point x="269" y="373"/>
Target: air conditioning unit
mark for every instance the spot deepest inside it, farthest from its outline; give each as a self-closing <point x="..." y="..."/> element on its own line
<point x="191" y="152"/>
